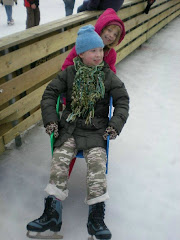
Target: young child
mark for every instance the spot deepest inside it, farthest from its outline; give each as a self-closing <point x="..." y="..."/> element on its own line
<point x="33" y="13"/>
<point x="8" y="4"/>
<point x="112" y="31"/>
<point x="91" y="5"/>
<point x="84" y="125"/>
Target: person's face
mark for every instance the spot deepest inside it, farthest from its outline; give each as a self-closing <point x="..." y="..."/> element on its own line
<point x="109" y="35"/>
<point x="92" y="57"/>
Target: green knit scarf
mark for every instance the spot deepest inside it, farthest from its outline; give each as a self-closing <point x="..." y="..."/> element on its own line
<point x="88" y="87"/>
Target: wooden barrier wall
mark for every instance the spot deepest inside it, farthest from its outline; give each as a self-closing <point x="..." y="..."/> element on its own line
<point x="31" y="58"/>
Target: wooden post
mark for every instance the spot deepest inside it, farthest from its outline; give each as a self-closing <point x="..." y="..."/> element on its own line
<point x="2" y="147"/>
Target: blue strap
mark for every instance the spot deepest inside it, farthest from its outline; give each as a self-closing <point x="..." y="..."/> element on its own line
<point x="80" y="154"/>
<point x="108" y="137"/>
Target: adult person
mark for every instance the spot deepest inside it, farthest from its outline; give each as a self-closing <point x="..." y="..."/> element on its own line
<point x="8" y="7"/>
<point x="69" y="6"/>
<point x="33" y="13"/>
<point x="90" y="5"/>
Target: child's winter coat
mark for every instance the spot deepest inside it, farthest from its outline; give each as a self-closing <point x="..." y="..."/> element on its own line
<point x="91" y="135"/>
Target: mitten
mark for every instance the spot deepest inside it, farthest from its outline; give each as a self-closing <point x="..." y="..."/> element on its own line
<point x="52" y="127"/>
<point x="111" y="132"/>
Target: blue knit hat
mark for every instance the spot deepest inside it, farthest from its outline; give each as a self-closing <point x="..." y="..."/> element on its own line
<point x="87" y="39"/>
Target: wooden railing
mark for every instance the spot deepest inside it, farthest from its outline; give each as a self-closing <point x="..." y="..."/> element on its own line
<point x="29" y="60"/>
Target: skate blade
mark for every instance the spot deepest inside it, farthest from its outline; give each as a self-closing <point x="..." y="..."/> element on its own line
<point x="40" y="236"/>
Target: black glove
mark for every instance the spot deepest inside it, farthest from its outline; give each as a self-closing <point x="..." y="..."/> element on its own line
<point x="147" y="9"/>
<point x="1" y="2"/>
<point x="111" y="132"/>
<point x="149" y="4"/>
<point x="52" y="127"/>
<point x="16" y="3"/>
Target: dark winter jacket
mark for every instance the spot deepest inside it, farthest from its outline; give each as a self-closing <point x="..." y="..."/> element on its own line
<point x="28" y="3"/>
<point x="86" y="136"/>
<point x="102" y="4"/>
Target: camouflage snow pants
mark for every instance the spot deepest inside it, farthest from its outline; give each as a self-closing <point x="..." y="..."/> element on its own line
<point x="96" y="172"/>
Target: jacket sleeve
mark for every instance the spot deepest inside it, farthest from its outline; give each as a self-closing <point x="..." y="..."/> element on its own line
<point x="120" y="104"/>
<point x="69" y="60"/>
<point x="93" y="5"/>
<point x="50" y="96"/>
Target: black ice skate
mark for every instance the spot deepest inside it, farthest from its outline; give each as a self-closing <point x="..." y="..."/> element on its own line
<point x="50" y="220"/>
<point x="96" y="226"/>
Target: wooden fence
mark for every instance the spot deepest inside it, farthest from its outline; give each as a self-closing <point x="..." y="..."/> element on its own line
<point x="30" y="59"/>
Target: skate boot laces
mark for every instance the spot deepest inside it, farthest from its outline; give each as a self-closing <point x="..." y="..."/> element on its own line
<point x="98" y="213"/>
<point x="49" y="210"/>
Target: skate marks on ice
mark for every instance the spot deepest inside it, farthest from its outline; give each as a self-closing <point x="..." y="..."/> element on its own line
<point x="39" y="235"/>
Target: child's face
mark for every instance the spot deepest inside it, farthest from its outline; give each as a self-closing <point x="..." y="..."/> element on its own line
<point x="109" y="35"/>
<point x="92" y="57"/>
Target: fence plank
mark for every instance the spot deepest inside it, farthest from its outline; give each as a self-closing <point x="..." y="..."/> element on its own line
<point x="131" y="47"/>
<point x="36" y="32"/>
<point x="31" y="78"/>
<point x="146" y="26"/>
<point x="21" y="127"/>
<point x="130" y="24"/>
<point x="36" y="51"/>
<point x="2" y="147"/>
<point x="24" y="105"/>
<point x="162" y="24"/>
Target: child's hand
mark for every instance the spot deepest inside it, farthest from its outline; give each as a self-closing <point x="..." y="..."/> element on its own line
<point x="111" y="132"/>
<point x="52" y="127"/>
